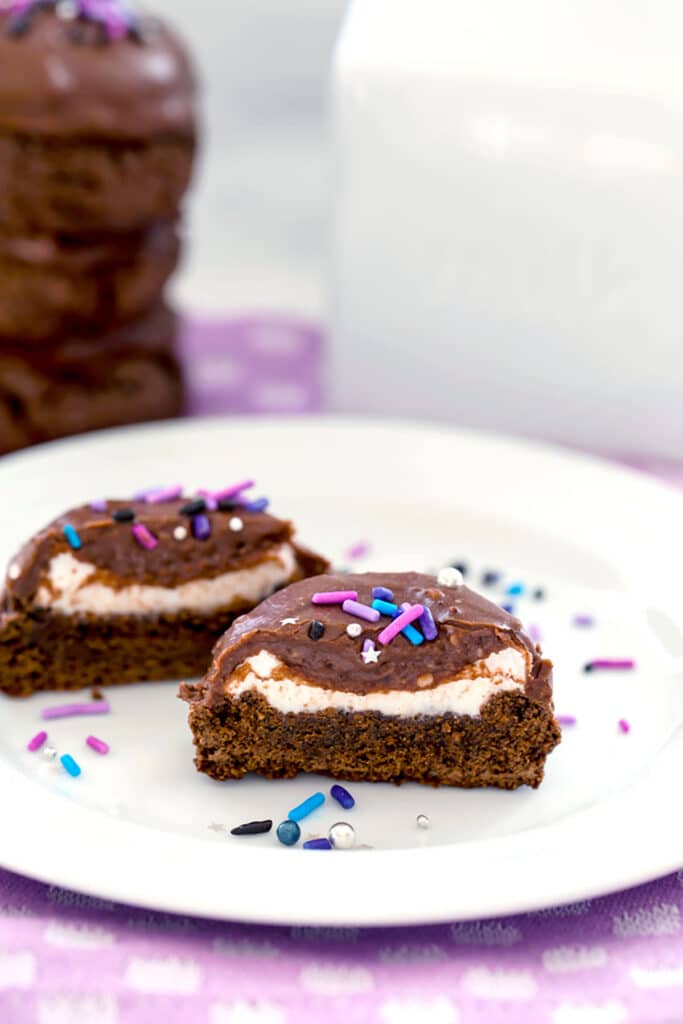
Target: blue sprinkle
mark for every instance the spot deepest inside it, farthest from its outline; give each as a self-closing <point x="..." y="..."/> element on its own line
<point x="201" y="526"/>
<point x="70" y="765"/>
<point x="342" y="796"/>
<point x="509" y="608"/>
<point x="72" y="537"/>
<point x="383" y="593"/>
<point x="386" y="608"/>
<point x="514" y="589"/>
<point x="307" y="807"/>
<point x="412" y="634"/>
<point x="490" y="578"/>
<point x="260" y="505"/>
<point x="317" y="844"/>
<point x="288" y="832"/>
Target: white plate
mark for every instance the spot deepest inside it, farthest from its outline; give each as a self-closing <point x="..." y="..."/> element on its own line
<point x="135" y="826"/>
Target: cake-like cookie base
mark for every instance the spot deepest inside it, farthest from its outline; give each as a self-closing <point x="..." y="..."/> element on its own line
<point x="506" y="746"/>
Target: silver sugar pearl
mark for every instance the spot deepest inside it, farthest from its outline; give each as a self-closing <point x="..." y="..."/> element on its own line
<point x="342" y="835"/>
<point x="422" y="821"/>
<point x="236" y="524"/>
<point x="67" y="10"/>
<point x="14" y="572"/>
<point x="180" y="533"/>
<point x="354" y="629"/>
<point x="49" y="753"/>
<point x="450" y="577"/>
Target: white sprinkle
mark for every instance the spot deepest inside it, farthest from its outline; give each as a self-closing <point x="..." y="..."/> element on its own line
<point x="49" y="753"/>
<point x="354" y="629"/>
<point x="14" y="571"/>
<point x="288" y="622"/>
<point x="67" y="10"/>
<point x="371" y="656"/>
<point x="422" y="821"/>
<point x="450" y="577"/>
<point x="180" y="533"/>
<point x="342" y="835"/>
<point x="236" y="524"/>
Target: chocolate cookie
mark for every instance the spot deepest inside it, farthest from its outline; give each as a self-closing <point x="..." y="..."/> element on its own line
<point x="51" y="286"/>
<point x="126" y="376"/>
<point x="97" y="123"/>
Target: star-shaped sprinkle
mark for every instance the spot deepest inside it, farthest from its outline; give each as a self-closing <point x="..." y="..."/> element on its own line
<point x="289" y="622"/>
<point x="371" y="656"/>
<point x="215" y="827"/>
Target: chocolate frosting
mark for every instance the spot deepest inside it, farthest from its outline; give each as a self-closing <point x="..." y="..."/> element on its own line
<point x="121" y="560"/>
<point x="121" y="89"/>
<point x="469" y="629"/>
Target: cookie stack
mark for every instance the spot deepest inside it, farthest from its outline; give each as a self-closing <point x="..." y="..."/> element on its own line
<point x="97" y="139"/>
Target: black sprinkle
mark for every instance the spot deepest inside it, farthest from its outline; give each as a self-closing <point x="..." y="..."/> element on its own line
<point x="460" y="566"/>
<point x="252" y="828"/>
<point x="123" y="515"/>
<point x="226" y="505"/>
<point x="194" y="507"/>
<point x="588" y="667"/>
<point x="490" y="578"/>
<point x="316" y="630"/>
<point x="538" y="594"/>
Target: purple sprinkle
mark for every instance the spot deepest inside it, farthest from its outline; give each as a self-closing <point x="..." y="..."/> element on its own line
<point x="230" y="492"/>
<point x="98" y="505"/>
<point x="317" y="844"/>
<point x="535" y="633"/>
<point x="99" y="746"/>
<point x="382" y="594"/>
<point x="94" y="707"/>
<point x="368" y="644"/>
<point x="141" y="495"/>
<point x="358" y="550"/>
<point x="342" y="796"/>
<point x="427" y="625"/>
<point x="584" y="620"/>
<point x="143" y="536"/>
<point x="609" y="663"/>
<point x="509" y="608"/>
<point x="624" y="725"/>
<point x="565" y="719"/>
<point x="37" y="741"/>
<point x="210" y="500"/>
<point x="333" y="596"/>
<point x="260" y="505"/>
<point x="165" y="494"/>
<point x="361" y="611"/>
<point x="201" y="526"/>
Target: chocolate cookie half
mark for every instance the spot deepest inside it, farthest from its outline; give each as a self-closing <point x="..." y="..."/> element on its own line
<point x="376" y="677"/>
<point x="125" y="591"/>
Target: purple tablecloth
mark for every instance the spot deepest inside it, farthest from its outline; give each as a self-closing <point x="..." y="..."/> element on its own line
<point x="70" y="959"/>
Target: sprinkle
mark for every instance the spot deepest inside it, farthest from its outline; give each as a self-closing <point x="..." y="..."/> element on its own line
<point x="508" y="607"/>
<point x="411" y="632"/>
<point x="37" y="741"/>
<point x="201" y="527"/>
<point x="624" y="725"/>
<point x="354" y="630"/>
<point x="194" y="507"/>
<point x="99" y="746"/>
<point x="260" y="505"/>
<point x="450" y="577"/>
<point x="252" y="828"/>
<point x="236" y="524"/>
<point x="342" y="836"/>
<point x="309" y="805"/>
<point x="49" y="753"/>
<point x="382" y="594"/>
<point x="370" y="656"/>
<point x="70" y="766"/>
<point x="98" y="505"/>
<point x="72" y="536"/>
<point x="95" y="707"/>
<point x="180" y="533"/>
<point x="14" y="572"/>
<point x="288" y="622"/>
<point x="386" y="607"/>
<point x="225" y="505"/>
<point x="490" y="578"/>
<point x="316" y="630"/>
<point x="422" y="821"/>
<point x="427" y="625"/>
<point x="515" y="589"/>
<point x="143" y="536"/>
<point x="399" y="623"/>
<point x="342" y="796"/>
<point x="141" y="495"/>
<point x="361" y="549"/>
<point x="317" y="844"/>
<point x="583" y="620"/>
<point x="535" y="633"/>
<point x="333" y="596"/>
<point x="123" y="515"/>
<point x="362" y="611"/>
<point x="617" y="663"/>
<point x="230" y="492"/>
<point x="288" y="832"/>
<point x="460" y="566"/>
<point x="538" y="594"/>
<point x="165" y="494"/>
<point x="565" y="720"/>
<point x="211" y="503"/>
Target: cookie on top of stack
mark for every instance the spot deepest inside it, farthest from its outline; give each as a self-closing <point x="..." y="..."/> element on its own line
<point x="97" y="141"/>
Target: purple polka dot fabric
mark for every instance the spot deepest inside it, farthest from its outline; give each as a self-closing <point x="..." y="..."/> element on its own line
<point x="66" y="958"/>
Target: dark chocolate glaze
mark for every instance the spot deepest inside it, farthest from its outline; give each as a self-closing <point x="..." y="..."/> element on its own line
<point x="470" y="628"/>
<point x="54" y="86"/>
<point x="121" y="560"/>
